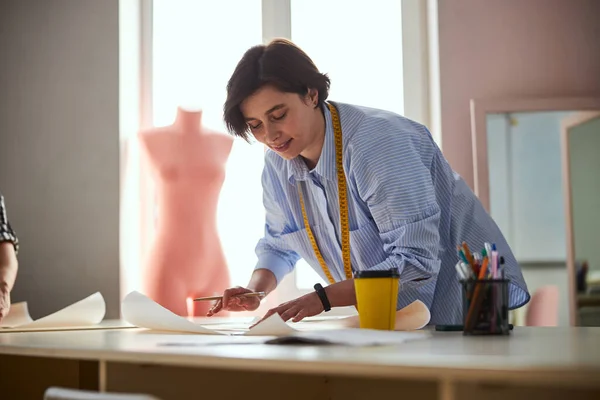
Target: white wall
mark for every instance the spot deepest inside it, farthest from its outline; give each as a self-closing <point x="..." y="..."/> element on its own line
<point x="59" y="148"/>
<point x="511" y="48"/>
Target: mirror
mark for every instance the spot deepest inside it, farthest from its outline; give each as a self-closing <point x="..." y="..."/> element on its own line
<point x="581" y="164"/>
<point x="519" y="169"/>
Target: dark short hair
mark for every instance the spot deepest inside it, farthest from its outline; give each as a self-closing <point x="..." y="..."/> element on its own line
<point x="280" y="63"/>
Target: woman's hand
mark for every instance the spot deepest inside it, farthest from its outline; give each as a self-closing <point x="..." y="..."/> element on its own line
<point x="231" y="301"/>
<point x="8" y="273"/>
<point x="297" y="309"/>
<point x="4" y="301"/>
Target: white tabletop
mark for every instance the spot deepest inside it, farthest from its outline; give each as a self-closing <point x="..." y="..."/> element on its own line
<point x="557" y="353"/>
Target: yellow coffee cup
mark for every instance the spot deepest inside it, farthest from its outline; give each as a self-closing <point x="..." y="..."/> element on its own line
<point x="376" y="297"/>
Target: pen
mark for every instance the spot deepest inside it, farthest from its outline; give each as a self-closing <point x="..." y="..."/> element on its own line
<point x="488" y="248"/>
<point x="467" y="253"/>
<point x="461" y="271"/>
<point x="252" y="294"/>
<point x="461" y="254"/>
<point x="476" y="299"/>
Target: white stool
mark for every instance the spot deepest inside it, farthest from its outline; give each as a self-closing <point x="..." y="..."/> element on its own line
<point x="57" y="393"/>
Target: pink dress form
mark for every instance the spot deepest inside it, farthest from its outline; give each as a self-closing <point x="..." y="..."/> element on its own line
<point x="185" y="258"/>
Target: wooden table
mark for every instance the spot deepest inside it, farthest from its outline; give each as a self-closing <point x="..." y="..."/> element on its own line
<point x="557" y="363"/>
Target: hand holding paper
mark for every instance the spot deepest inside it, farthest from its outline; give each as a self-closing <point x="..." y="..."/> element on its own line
<point x="143" y="312"/>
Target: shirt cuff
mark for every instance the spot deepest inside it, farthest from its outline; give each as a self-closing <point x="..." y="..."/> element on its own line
<point x="279" y="265"/>
<point x="7" y="235"/>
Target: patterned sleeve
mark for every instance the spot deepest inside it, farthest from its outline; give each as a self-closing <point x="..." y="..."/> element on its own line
<point x="7" y="234"/>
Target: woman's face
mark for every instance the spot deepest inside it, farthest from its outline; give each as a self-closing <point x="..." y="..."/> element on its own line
<point x="286" y="122"/>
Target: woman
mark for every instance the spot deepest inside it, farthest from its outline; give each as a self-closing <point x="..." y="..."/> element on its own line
<point x="406" y="208"/>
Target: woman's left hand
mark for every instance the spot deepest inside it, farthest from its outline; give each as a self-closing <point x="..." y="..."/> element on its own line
<point x="297" y="309"/>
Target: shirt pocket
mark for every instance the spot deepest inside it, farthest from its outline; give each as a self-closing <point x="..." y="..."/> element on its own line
<point x="366" y="246"/>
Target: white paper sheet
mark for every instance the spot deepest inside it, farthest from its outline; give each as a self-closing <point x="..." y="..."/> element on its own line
<point x="85" y="313"/>
<point x="143" y="312"/>
<point x="17" y="315"/>
<point x="272" y="326"/>
<point x="412" y="317"/>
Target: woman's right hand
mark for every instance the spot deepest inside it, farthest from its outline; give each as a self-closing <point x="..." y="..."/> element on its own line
<point x="231" y="301"/>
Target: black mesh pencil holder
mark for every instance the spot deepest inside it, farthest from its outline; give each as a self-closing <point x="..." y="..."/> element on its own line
<point x="485" y="307"/>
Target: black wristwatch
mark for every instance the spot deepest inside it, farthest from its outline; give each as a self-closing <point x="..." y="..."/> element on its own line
<point x="323" y="296"/>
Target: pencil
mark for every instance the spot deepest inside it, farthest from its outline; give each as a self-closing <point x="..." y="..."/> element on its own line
<point x="469" y="256"/>
<point x="477" y="297"/>
<point x="251" y="294"/>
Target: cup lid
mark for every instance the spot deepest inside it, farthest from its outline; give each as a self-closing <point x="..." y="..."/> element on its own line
<point x="388" y="273"/>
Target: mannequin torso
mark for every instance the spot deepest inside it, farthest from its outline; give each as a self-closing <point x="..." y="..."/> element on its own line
<point x="185" y="258"/>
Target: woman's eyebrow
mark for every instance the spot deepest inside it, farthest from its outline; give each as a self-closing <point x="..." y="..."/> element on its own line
<point x="269" y="111"/>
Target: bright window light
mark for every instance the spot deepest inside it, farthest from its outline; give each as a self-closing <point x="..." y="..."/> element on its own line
<point x="196" y="46"/>
<point x="359" y="45"/>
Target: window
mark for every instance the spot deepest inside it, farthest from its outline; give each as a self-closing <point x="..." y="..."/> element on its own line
<point x="360" y="48"/>
<point x="194" y="47"/>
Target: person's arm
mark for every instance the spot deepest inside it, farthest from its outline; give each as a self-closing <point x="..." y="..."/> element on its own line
<point x="272" y="250"/>
<point x="9" y="247"/>
<point x="275" y="258"/>
<point x="262" y="280"/>
<point x="8" y="266"/>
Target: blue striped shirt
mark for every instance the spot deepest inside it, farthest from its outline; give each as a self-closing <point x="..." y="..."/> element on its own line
<point x="407" y="209"/>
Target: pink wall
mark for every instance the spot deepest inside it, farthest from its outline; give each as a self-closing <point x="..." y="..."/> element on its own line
<point x="507" y="48"/>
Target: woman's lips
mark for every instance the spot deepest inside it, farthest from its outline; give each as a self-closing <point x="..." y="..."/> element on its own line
<point x="283" y="147"/>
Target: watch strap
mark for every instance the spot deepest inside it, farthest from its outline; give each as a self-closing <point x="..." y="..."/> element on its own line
<point x="323" y="296"/>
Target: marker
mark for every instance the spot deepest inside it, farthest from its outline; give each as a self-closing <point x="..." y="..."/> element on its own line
<point x="460" y="271"/>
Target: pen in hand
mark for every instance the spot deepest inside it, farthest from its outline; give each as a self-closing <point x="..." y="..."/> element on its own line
<point x="251" y="294"/>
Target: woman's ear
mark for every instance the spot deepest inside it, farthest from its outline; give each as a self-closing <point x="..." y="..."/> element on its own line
<point x="313" y="97"/>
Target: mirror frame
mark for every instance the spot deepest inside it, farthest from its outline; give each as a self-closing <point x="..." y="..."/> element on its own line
<point x="569" y="122"/>
<point x="481" y="107"/>
<point x="479" y="110"/>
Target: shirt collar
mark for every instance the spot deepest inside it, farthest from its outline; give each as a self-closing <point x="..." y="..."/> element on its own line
<point x="326" y="165"/>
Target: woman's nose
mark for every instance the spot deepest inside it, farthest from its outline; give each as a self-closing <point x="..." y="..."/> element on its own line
<point x="272" y="134"/>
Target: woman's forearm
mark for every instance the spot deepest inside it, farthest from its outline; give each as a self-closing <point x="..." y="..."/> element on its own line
<point x="8" y="265"/>
<point x="341" y="294"/>
<point x="262" y="280"/>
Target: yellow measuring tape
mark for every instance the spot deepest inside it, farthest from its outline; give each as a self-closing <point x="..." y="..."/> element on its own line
<point x="343" y="200"/>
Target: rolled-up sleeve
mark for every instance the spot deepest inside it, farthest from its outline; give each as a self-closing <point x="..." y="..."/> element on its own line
<point x="272" y="250"/>
<point x="7" y="234"/>
<point x="392" y="175"/>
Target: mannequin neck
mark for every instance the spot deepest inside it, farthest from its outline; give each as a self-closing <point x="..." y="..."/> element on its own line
<point x="189" y="121"/>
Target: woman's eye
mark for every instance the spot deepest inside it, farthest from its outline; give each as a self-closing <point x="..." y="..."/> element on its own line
<point x="255" y="127"/>
<point x="279" y="117"/>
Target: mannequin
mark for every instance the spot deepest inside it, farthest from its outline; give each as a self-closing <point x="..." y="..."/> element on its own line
<point x="184" y="258"/>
